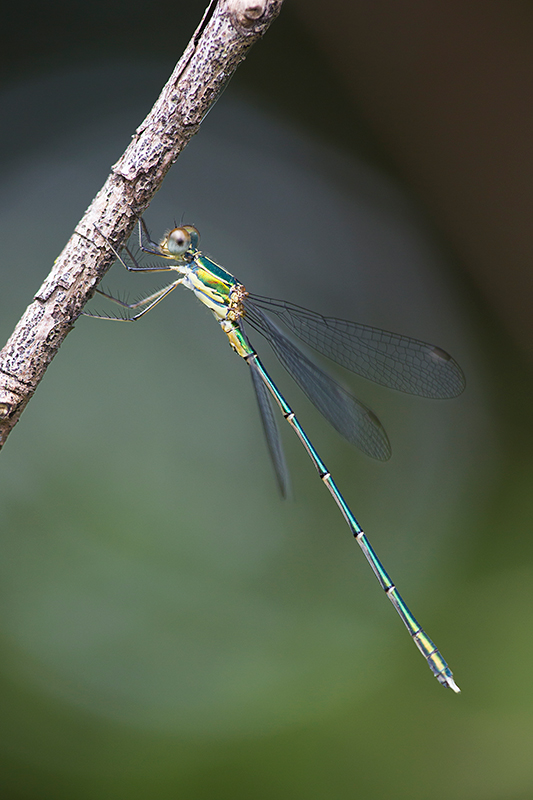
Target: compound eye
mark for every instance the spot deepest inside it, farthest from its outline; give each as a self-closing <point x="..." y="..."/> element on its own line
<point x="179" y="241"/>
<point x="194" y="234"/>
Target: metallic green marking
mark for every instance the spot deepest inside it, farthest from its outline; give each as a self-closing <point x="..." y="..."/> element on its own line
<point x="422" y="369"/>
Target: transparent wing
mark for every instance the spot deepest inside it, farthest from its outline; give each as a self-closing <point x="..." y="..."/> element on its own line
<point x="271" y="430"/>
<point x="354" y="421"/>
<point x="390" y="359"/>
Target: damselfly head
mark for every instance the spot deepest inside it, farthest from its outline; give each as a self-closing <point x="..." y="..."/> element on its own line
<point x="180" y="241"/>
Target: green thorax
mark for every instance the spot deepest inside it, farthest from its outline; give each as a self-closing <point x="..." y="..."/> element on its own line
<point x="211" y="284"/>
<point x="213" y="275"/>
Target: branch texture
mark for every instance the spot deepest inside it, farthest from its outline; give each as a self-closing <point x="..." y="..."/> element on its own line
<point x="225" y="34"/>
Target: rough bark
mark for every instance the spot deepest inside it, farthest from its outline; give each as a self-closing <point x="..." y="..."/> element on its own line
<point x="225" y="34"/>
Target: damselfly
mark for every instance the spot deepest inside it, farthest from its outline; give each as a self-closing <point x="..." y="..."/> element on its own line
<point x="396" y="361"/>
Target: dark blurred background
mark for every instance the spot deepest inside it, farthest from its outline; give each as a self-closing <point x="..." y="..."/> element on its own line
<point x="169" y="627"/>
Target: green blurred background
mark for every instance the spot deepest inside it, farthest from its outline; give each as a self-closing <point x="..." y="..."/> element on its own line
<point x="169" y="627"/>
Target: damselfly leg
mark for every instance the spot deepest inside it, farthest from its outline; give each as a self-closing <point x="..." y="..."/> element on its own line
<point x="393" y="360"/>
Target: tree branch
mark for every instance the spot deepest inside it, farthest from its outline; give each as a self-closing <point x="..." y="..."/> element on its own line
<point x="220" y="43"/>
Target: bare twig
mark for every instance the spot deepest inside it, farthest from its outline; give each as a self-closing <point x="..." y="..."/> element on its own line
<point x="226" y="32"/>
